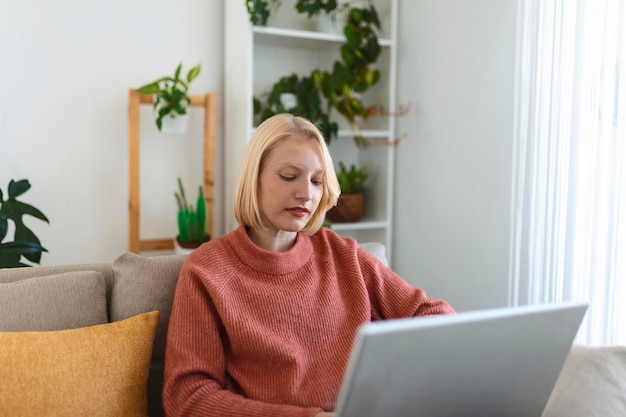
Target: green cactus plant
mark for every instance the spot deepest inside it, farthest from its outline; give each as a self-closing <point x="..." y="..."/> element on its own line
<point x="191" y="220"/>
<point x="25" y="243"/>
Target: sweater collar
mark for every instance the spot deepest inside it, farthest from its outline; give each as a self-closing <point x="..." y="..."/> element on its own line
<point x="273" y="263"/>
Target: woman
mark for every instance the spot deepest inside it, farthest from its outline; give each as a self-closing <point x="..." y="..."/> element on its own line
<point x="264" y="318"/>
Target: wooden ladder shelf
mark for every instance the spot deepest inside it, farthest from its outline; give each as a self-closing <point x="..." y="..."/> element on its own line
<point x="135" y="99"/>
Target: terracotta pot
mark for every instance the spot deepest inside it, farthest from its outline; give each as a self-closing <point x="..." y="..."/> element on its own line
<point x="349" y="209"/>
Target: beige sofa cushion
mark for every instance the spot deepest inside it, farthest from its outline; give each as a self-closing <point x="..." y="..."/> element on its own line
<point x="92" y="371"/>
<point x="142" y="284"/>
<point x="592" y="383"/>
<point x="62" y="301"/>
<point x="377" y="249"/>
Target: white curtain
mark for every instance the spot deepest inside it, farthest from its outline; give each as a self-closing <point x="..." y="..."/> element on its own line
<point x="569" y="175"/>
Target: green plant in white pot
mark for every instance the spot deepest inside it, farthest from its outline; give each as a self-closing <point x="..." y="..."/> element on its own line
<point x="191" y="220"/>
<point x="25" y="243"/>
<point x="171" y="100"/>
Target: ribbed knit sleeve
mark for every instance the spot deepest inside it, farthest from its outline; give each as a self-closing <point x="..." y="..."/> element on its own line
<point x="257" y="333"/>
<point x="390" y="296"/>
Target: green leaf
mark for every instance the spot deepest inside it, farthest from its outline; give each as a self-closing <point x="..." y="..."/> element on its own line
<point x="183" y="221"/>
<point x="16" y="209"/>
<point x="17" y="188"/>
<point x="4" y="228"/>
<point x="193" y="73"/>
<point x="201" y="212"/>
<point x="11" y="252"/>
<point x="149" y="89"/>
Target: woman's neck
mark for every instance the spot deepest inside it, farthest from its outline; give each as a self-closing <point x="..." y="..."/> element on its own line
<point x="272" y="241"/>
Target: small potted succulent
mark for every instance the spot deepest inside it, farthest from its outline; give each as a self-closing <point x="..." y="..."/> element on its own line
<point x="25" y="243"/>
<point x="191" y="221"/>
<point x="171" y="100"/>
<point x="349" y="207"/>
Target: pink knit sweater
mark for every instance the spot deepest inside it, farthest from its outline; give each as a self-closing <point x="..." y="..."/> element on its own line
<point x="256" y="333"/>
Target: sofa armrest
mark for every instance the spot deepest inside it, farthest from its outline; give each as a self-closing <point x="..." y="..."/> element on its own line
<point x="592" y="383"/>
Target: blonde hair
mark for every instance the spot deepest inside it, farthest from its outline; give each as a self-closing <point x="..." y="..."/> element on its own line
<point x="267" y="136"/>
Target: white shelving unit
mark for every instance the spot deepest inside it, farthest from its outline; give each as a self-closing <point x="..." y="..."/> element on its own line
<point x="257" y="56"/>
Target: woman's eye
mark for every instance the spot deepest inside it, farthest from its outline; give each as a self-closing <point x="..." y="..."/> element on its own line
<point x="316" y="182"/>
<point x="287" y="177"/>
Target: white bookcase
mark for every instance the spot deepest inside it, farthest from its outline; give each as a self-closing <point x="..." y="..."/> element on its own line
<point x="257" y="56"/>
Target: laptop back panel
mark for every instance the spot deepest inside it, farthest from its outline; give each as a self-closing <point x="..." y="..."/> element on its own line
<point x="500" y="362"/>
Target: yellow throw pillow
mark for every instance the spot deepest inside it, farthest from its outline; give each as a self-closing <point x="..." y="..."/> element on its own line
<point x="92" y="371"/>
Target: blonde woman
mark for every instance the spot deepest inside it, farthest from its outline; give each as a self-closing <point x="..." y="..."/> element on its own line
<point x="264" y="318"/>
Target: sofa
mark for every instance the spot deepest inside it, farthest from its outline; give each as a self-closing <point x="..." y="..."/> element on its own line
<point x="89" y="339"/>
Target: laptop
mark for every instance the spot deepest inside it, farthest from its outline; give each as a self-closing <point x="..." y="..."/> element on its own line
<point x="489" y="363"/>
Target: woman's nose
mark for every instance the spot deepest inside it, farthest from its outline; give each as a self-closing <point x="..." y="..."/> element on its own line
<point x="304" y="190"/>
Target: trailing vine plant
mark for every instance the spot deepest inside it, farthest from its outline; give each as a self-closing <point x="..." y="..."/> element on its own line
<point x="341" y="87"/>
<point x="259" y="10"/>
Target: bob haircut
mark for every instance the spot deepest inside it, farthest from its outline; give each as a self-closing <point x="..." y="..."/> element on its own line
<point x="267" y="136"/>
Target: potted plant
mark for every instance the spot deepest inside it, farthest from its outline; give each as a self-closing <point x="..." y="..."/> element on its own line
<point x="341" y="87"/>
<point x="314" y="7"/>
<point x="170" y="96"/>
<point x="299" y="96"/>
<point x="349" y="206"/>
<point x="25" y="243"/>
<point x="191" y="220"/>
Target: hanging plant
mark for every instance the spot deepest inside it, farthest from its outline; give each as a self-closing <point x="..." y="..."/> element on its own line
<point x="354" y="73"/>
<point x="171" y="99"/>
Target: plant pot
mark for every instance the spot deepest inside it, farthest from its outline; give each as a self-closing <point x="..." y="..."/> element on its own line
<point x="349" y="209"/>
<point x="330" y="23"/>
<point x="185" y="248"/>
<point x="175" y="125"/>
<point x="289" y="18"/>
<point x="335" y="21"/>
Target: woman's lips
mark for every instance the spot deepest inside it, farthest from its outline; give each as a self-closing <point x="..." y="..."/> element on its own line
<point x="298" y="211"/>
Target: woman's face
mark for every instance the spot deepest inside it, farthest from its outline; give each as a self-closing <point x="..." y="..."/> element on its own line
<point x="290" y="184"/>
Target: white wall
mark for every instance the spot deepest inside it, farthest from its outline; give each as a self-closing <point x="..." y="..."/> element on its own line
<point x="457" y="60"/>
<point x="66" y="67"/>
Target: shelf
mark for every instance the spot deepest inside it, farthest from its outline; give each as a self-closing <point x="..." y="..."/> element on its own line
<point x="370" y="134"/>
<point x="292" y="46"/>
<point x="300" y="38"/>
<point x="209" y="103"/>
<point x="362" y="225"/>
